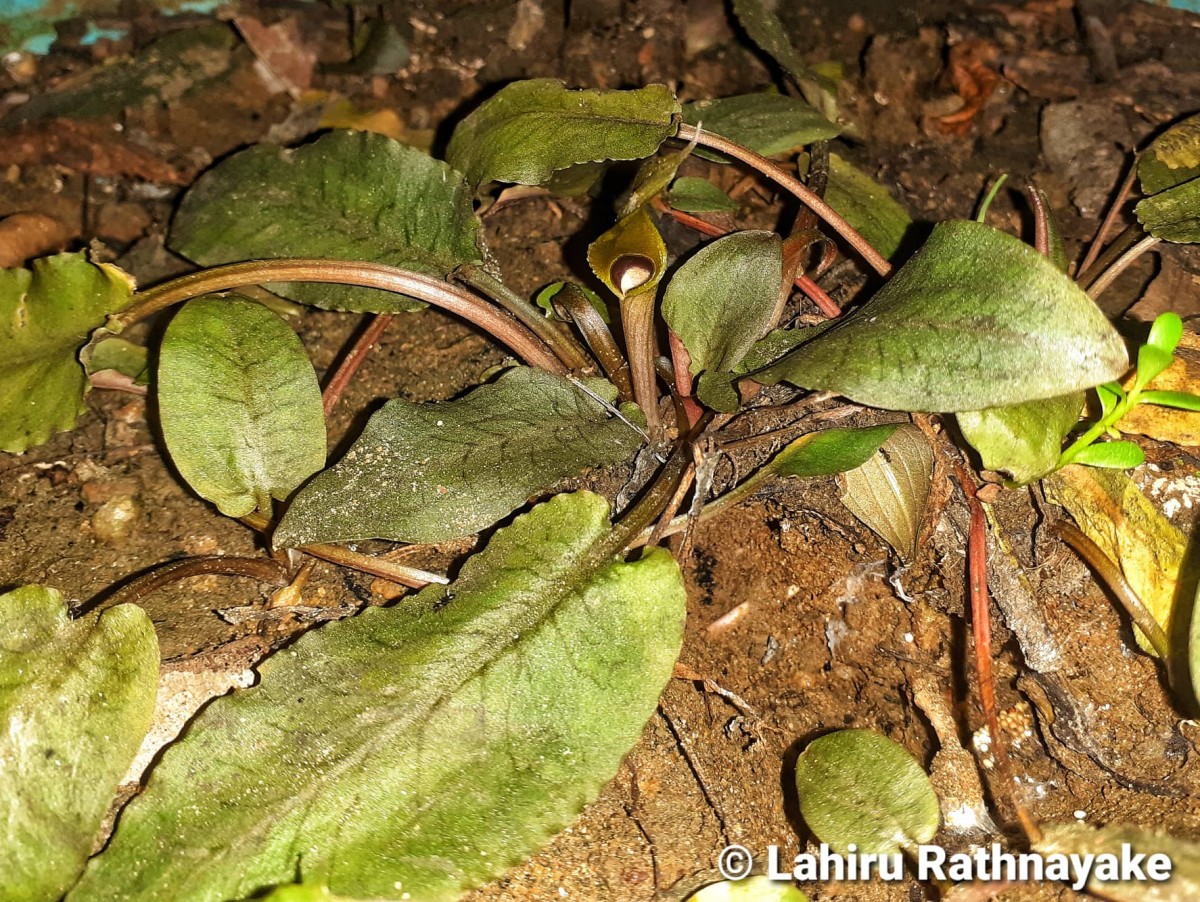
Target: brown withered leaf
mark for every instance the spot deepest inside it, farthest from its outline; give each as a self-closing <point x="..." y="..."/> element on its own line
<point x="974" y="81"/>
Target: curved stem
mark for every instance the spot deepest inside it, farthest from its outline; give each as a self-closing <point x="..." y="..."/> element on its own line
<point x="564" y="346"/>
<point x="835" y="221"/>
<point x="346" y="272"/>
<point x="260" y="568"/>
<point x="1118" y="266"/>
<point x="1110" y="217"/>
<point x="637" y="319"/>
<point x="598" y="337"/>
<point x="353" y="360"/>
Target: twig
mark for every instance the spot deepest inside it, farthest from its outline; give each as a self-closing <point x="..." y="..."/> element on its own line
<point x="263" y="569"/>
<point x="1118" y="266"/>
<point x="354" y="359"/>
<point x="1110" y="217"/>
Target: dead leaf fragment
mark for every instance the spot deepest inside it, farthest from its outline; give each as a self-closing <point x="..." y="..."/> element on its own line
<point x="974" y="81"/>
<point x="890" y="492"/>
<point x="26" y="235"/>
<point x="282" y="51"/>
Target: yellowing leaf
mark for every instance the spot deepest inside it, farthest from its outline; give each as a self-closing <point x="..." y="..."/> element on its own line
<point x="890" y="492"/>
<point x="342" y="113"/>
<point x="1114" y="514"/>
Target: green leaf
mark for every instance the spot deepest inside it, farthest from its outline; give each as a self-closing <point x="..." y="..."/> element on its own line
<point x="1150" y="362"/>
<point x="300" y="892"/>
<point x="630" y="257"/>
<point x="975" y="319"/>
<point x="693" y="195"/>
<point x="531" y="129"/>
<point x="857" y="787"/>
<point x="239" y="403"/>
<point x="1110" y="394"/>
<point x="46" y="314"/>
<point x="890" y="491"/>
<point x="1120" y="455"/>
<point x="719" y="391"/>
<point x="76" y="699"/>
<point x="1174" y="214"/>
<point x="866" y="205"/>
<point x="1178" y="399"/>
<point x="426" y="747"/>
<point x="830" y="451"/>
<point x="752" y="889"/>
<point x="347" y="196"/>
<point x="1022" y="441"/>
<point x="121" y="356"/>
<point x="652" y="178"/>
<point x="1173" y="158"/>
<point x="767" y="123"/>
<point x="433" y="472"/>
<point x="545" y="298"/>
<point x="1166" y="332"/>
<point x="1183" y="860"/>
<point x="723" y="298"/>
<point x="765" y="29"/>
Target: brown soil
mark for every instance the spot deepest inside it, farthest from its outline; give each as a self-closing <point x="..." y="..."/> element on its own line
<point x="824" y="639"/>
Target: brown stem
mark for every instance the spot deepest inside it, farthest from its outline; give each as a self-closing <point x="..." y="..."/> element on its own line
<point x="345" y="272"/>
<point x="1112" y="576"/>
<point x="1118" y="266"/>
<point x="835" y="221"/>
<point x="1110" y="217"/>
<point x="261" y="568"/>
<point x="598" y="337"/>
<point x="567" y="349"/>
<point x="637" y="318"/>
<point x="1041" y="223"/>
<point x="681" y="365"/>
<point x="354" y="359"/>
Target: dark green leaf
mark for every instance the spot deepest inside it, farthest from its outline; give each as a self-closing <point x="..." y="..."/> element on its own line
<point x="545" y="298"/>
<point x="1173" y="158"/>
<point x="765" y="29"/>
<point x="859" y="788"/>
<point x="830" y="451"/>
<point x="652" y="178"/>
<point x="46" y="313"/>
<point x="723" y="299"/>
<point x="432" y="472"/>
<point x="1080" y="840"/>
<point x="426" y="747"/>
<point x="531" y="129"/>
<point x="347" y="196"/>
<point x="693" y="195"/>
<point x="975" y="319"/>
<point x="889" y="492"/>
<point x="1023" y="441"/>
<point x="767" y="123"/>
<point x="1174" y="214"/>
<point x="718" y="391"/>
<point x="776" y="344"/>
<point x="866" y="205"/>
<point x="76" y="699"/>
<point x="1180" y="400"/>
<point x="119" y="355"/>
<point x="1121" y="455"/>
<point x="239" y="402"/>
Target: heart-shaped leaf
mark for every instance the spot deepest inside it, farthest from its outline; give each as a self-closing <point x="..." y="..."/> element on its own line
<point x="76" y="698"/>
<point x="346" y="196"/>
<point x="1174" y="214"/>
<point x="1022" y="441"/>
<point x="426" y="747"/>
<point x="239" y="402"/>
<point x="977" y="318"/>
<point x="46" y="314"/>
<point x="433" y="472"/>
<point x="890" y="491"/>
<point x="723" y="298"/>
<point x="858" y="788"/>
<point x="866" y="205"/>
<point x="1173" y="158"/>
<point x="766" y="123"/>
<point x="531" y="129"/>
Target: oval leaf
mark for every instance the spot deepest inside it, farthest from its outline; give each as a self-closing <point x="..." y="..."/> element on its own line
<point x="531" y="129"/>
<point x="723" y="299"/>
<point x="76" y="698"/>
<point x="766" y="123"/>
<point x="433" y="472"/>
<point x="239" y="403"/>
<point x="977" y="318"/>
<point x="867" y="205"/>
<point x="1112" y="455"/>
<point x="429" y="746"/>
<point x="1174" y="214"/>
<point x="857" y="787"/>
<point x="1023" y="441"/>
<point x="346" y="196"/>
<point x="46" y="314"/>
<point x="890" y="492"/>
<point x="693" y="195"/>
<point x="830" y="451"/>
<point x="1173" y="158"/>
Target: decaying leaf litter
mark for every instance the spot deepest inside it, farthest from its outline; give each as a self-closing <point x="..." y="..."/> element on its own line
<point x="817" y="611"/>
